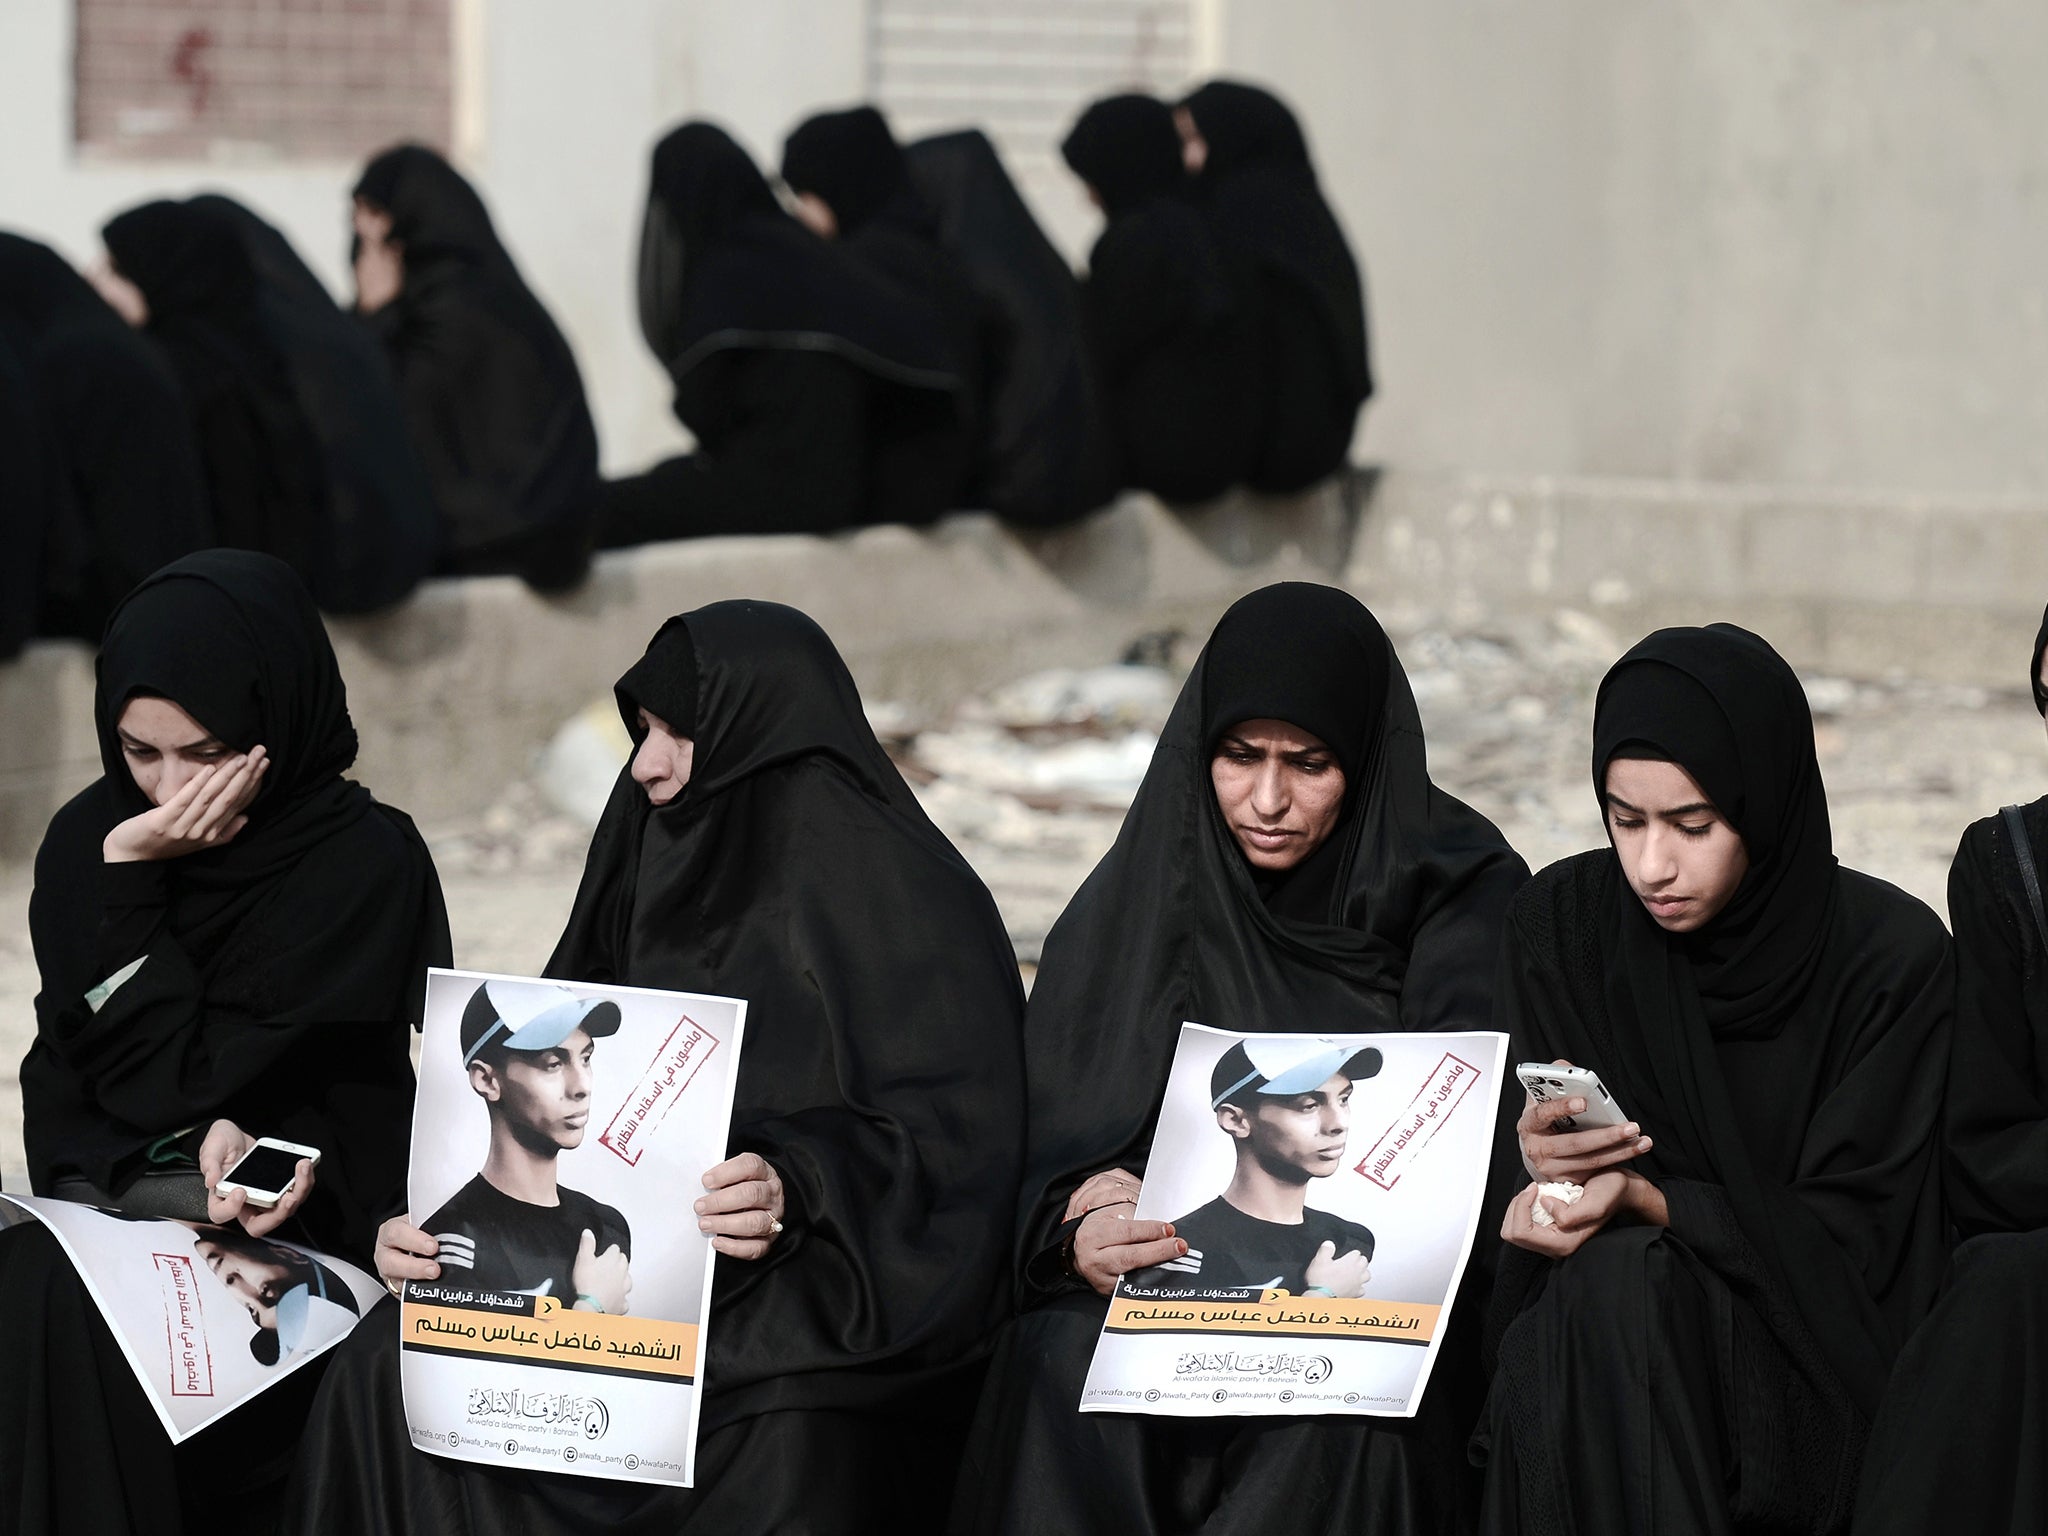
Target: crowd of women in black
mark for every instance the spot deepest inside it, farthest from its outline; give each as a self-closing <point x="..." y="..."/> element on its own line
<point x="892" y="338"/>
<point x="1802" y="1292"/>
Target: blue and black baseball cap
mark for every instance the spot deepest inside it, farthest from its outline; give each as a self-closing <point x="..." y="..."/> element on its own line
<point x="1285" y="1065"/>
<point x="531" y="1016"/>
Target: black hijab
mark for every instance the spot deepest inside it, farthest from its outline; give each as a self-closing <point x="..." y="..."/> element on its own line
<point x="880" y="1074"/>
<point x="852" y="161"/>
<point x="491" y="389"/>
<point x="2034" y="667"/>
<point x="1778" y="1054"/>
<point x="1048" y="455"/>
<point x="1260" y="188"/>
<point x="722" y="266"/>
<point x="281" y="966"/>
<point x="1128" y="150"/>
<point x="121" y="475"/>
<point x="1396" y="930"/>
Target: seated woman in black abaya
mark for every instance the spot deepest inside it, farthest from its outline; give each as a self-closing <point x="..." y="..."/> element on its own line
<point x="489" y="384"/>
<point x="813" y="385"/>
<point x="1172" y="318"/>
<point x="1258" y="187"/>
<point x="1698" y="1343"/>
<point x="761" y="845"/>
<point x="1286" y="858"/>
<point x="1957" y="1444"/>
<point x="231" y="938"/>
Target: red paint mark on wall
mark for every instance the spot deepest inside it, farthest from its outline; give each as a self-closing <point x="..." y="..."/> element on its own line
<point x="190" y="66"/>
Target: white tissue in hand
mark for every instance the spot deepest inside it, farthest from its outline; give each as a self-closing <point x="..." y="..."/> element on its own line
<point x="1568" y="1194"/>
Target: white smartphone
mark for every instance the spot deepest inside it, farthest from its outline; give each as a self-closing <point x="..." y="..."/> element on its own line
<point x="1546" y="1082"/>
<point x="265" y="1173"/>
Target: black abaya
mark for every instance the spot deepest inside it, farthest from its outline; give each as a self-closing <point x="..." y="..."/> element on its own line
<point x="880" y="1077"/>
<point x="1172" y="319"/>
<point x="1047" y="454"/>
<point x="274" y="979"/>
<point x="1958" y="1439"/>
<point x="1387" y="926"/>
<point x="490" y="387"/>
<point x="825" y="441"/>
<point x="28" y="502"/>
<point x="1258" y="187"/>
<point x="1785" y="1059"/>
<point x="126" y="488"/>
<point x="306" y="451"/>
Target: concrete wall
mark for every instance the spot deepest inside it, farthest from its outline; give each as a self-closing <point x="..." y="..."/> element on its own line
<point x="1724" y="240"/>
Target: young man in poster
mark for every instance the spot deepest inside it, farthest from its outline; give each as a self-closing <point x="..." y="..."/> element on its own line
<point x="514" y="1227"/>
<point x="1287" y="1105"/>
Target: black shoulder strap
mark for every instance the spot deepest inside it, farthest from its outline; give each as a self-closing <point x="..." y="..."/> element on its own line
<point x="2023" y="851"/>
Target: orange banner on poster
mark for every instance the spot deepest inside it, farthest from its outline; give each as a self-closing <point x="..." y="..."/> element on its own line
<point x="594" y="1341"/>
<point x="1280" y="1315"/>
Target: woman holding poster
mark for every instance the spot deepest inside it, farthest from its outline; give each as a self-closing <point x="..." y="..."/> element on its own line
<point x="1287" y="866"/>
<point x="761" y="846"/>
<point x="232" y="940"/>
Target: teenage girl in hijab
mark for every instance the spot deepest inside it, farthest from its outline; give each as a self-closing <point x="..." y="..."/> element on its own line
<point x="490" y="387"/>
<point x="761" y="845"/>
<point x="1172" y="319"/>
<point x="1697" y="1345"/>
<point x="1958" y="1441"/>
<point x="231" y="938"/>
<point x="1286" y="858"/>
<point x="1259" y="189"/>
<point x="813" y="386"/>
<point x="122" y="483"/>
<point x="851" y="183"/>
<point x="306" y="450"/>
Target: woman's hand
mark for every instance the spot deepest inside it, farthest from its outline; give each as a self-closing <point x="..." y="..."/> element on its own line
<point x="1553" y="1156"/>
<point x="380" y="265"/>
<point x="405" y="1253"/>
<point x="1108" y="1243"/>
<point x="1617" y="1195"/>
<point x="226" y="1144"/>
<point x="206" y="812"/>
<point x="1112" y="1186"/>
<point x="743" y="1211"/>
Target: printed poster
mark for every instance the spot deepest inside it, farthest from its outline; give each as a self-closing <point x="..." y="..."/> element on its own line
<point x="207" y="1316"/>
<point x="561" y="1135"/>
<point x="1328" y="1188"/>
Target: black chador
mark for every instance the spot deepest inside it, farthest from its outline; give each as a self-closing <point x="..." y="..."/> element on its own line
<point x="1047" y="452"/>
<point x="490" y="386"/>
<point x="1172" y="317"/>
<point x="1391" y="924"/>
<point x="881" y="1078"/>
<point x="1259" y="189"/>
<point x="1958" y="1442"/>
<point x="268" y="981"/>
<point x="1718" y="1374"/>
<point x="306" y="450"/>
<point x="807" y="378"/>
<point x="118" y="474"/>
<point x="851" y="163"/>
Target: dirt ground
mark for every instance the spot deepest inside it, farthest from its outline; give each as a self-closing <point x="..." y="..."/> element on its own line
<point x="1031" y="781"/>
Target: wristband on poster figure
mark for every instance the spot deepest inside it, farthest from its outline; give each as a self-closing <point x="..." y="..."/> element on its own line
<point x="595" y="1304"/>
<point x="1319" y="1290"/>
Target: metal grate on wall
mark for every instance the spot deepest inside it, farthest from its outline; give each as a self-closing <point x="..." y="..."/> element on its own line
<point x="1022" y="72"/>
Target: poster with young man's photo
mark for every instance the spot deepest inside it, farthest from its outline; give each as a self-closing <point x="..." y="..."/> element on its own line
<point x="1327" y="1189"/>
<point x="206" y="1316"/>
<point x="561" y="1137"/>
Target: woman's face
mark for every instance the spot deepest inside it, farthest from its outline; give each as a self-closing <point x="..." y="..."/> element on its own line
<point x="163" y="746"/>
<point x="662" y="764"/>
<point x="1682" y="858"/>
<point x="122" y="296"/>
<point x="1280" y="791"/>
<point x="1194" y="149"/>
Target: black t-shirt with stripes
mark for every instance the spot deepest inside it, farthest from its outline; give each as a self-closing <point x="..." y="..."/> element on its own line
<point x="493" y="1242"/>
<point x="1228" y="1250"/>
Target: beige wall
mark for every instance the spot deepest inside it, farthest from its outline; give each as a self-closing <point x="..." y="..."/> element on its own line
<point x="1733" y="240"/>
